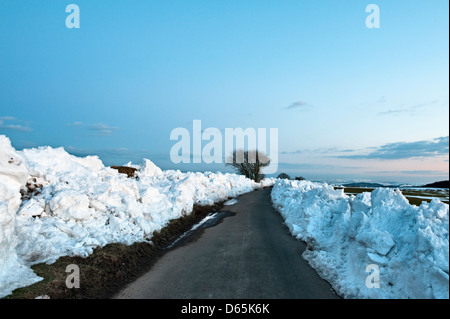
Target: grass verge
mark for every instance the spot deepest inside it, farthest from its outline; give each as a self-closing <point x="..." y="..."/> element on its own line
<point x="111" y="267"/>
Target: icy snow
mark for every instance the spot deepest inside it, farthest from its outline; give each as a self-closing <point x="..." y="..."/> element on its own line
<point x="345" y="234"/>
<point x="13" y="176"/>
<point x="231" y="202"/>
<point x="84" y="205"/>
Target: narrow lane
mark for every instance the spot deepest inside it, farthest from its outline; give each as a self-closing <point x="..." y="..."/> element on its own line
<point x="248" y="255"/>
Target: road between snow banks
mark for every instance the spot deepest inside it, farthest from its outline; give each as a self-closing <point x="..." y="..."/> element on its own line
<point x="248" y="255"/>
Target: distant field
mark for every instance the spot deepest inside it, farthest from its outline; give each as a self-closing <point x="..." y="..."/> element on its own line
<point x="415" y="196"/>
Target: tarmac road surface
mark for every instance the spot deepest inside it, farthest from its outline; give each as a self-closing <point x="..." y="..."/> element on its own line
<point x="243" y="252"/>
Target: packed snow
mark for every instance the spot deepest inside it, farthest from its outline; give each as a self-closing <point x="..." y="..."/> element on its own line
<point x="54" y="204"/>
<point x="354" y="240"/>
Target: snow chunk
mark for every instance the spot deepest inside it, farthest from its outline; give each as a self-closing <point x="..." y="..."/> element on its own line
<point x="345" y="234"/>
<point x="149" y="168"/>
<point x="13" y="176"/>
<point x="12" y="165"/>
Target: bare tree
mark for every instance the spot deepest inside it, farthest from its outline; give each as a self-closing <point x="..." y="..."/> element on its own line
<point x="249" y="163"/>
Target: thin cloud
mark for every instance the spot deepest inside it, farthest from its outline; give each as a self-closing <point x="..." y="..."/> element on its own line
<point x="326" y="150"/>
<point x="294" y="152"/>
<point x="412" y="172"/>
<point x="303" y="166"/>
<point x="7" y="118"/>
<point x="97" y="129"/>
<point x="424" y="172"/>
<point x="381" y="100"/>
<point x="14" y="126"/>
<point x="76" y="124"/>
<point x="403" y="150"/>
<point x="409" y="110"/>
<point x="101" y="129"/>
<point x="297" y="105"/>
<point x="398" y="111"/>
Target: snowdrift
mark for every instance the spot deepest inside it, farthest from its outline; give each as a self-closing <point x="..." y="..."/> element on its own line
<point x="54" y="204"/>
<point x="345" y="234"/>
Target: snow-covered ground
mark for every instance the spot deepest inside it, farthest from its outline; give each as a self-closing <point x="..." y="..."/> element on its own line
<point x="352" y="239"/>
<point x="78" y="204"/>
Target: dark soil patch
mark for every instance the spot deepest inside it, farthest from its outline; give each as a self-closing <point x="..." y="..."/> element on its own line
<point x="32" y="188"/>
<point x="129" y="171"/>
<point x="110" y="268"/>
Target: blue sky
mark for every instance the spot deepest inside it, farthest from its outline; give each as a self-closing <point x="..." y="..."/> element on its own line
<point x="350" y="103"/>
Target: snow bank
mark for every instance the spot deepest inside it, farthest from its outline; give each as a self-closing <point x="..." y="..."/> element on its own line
<point x="13" y="176"/>
<point x="409" y="245"/>
<point x="74" y="205"/>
